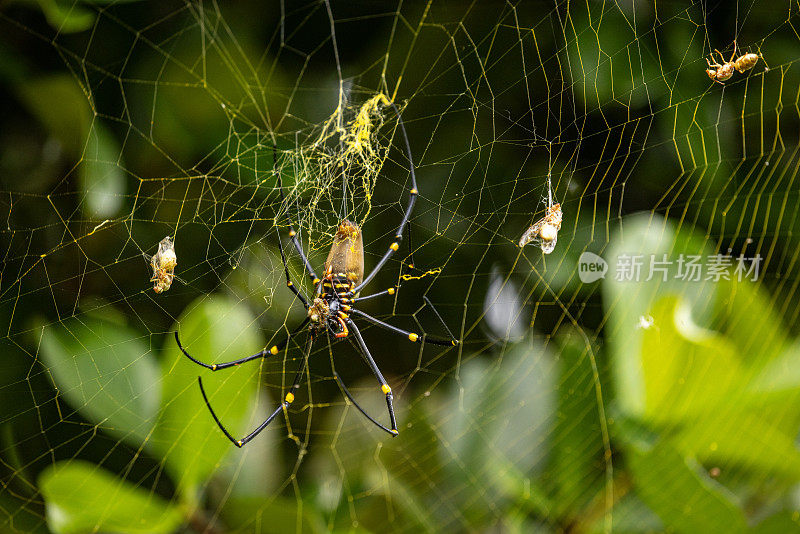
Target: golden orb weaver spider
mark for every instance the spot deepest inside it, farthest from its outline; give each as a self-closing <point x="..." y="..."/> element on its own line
<point x="336" y="294"/>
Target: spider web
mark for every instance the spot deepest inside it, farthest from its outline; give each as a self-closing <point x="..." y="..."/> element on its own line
<point x="557" y="411"/>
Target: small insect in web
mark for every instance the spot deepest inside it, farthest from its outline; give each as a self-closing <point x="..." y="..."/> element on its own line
<point x="163" y="264"/>
<point x="333" y="307"/>
<point x="544" y="232"/>
<point x="722" y="72"/>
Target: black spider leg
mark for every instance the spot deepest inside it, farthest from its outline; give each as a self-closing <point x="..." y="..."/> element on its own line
<point x="406" y="269"/>
<point x="273" y="350"/>
<point x="287" y="400"/>
<point x="411" y="200"/>
<point x="292" y="232"/>
<point x="384" y="386"/>
<point x="414" y="337"/>
<point x="289" y="282"/>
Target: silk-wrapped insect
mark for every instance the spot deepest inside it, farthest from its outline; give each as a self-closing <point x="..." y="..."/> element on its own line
<point x="544" y="232"/>
<point x="163" y="263"/>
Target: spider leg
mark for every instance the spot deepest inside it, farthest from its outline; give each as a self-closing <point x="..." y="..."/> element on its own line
<point x="410" y="335"/>
<point x="292" y="232"/>
<point x="390" y="291"/>
<point x="263" y="354"/>
<point x="406" y="269"/>
<point x="409" y="208"/>
<point x="382" y="381"/>
<point x="289" y="282"/>
<point x="287" y="401"/>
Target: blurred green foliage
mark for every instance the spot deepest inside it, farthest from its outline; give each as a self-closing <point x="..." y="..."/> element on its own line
<point x="134" y="129"/>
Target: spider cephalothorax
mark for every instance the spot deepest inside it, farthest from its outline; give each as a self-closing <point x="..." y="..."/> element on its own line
<point x="335" y="298"/>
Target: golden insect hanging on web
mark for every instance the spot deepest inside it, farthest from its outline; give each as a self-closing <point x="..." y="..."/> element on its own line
<point x="544" y="232"/>
<point x="163" y="263"/>
<point x="724" y="71"/>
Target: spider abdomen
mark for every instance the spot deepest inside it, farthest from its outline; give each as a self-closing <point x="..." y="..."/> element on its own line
<point x="346" y="258"/>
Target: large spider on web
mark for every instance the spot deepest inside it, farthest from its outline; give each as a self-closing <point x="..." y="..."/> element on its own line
<point x="335" y="297"/>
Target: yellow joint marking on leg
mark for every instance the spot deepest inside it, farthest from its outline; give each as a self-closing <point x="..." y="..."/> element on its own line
<point x="274" y="350"/>
<point x="413" y="337"/>
<point x="394" y="246"/>
<point x="390" y="291"/>
<point x="239" y="443"/>
<point x="414" y="191"/>
<point x="345" y="307"/>
<point x="386" y="389"/>
<point x="290" y="397"/>
<point x="214" y="367"/>
<point x="316" y="281"/>
<point x="292" y="233"/>
<point x="343" y="315"/>
<point x="290" y="284"/>
<point x="394" y="432"/>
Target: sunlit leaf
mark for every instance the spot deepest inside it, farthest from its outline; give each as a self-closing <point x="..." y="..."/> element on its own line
<point x="749" y="318"/>
<point x="105" y="371"/>
<point x="629" y="303"/>
<point x="83" y="497"/>
<point x="687" y="370"/>
<point x="212" y="330"/>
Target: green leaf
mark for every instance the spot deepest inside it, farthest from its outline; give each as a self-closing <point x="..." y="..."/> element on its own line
<point x="628" y="302"/>
<point x="279" y="515"/>
<point x="577" y="454"/>
<point x="67" y="17"/>
<point x="213" y="330"/>
<point x="681" y="494"/>
<point x="750" y="320"/>
<point x="83" y="497"/>
<point x="677" y="357"/>
<point x="493" y="458"/>
<point x="102" y="180"/>
<point x="744" y="436"/>
<point x="785" y="522"/>
<point x="257" y="469"/>
<point x="61" y="106"/>
<point x="781" y="375"/>
<point x="105" y="371"/>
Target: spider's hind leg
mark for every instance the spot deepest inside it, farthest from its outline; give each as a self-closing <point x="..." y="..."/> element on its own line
<point x="385" y="389"/>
